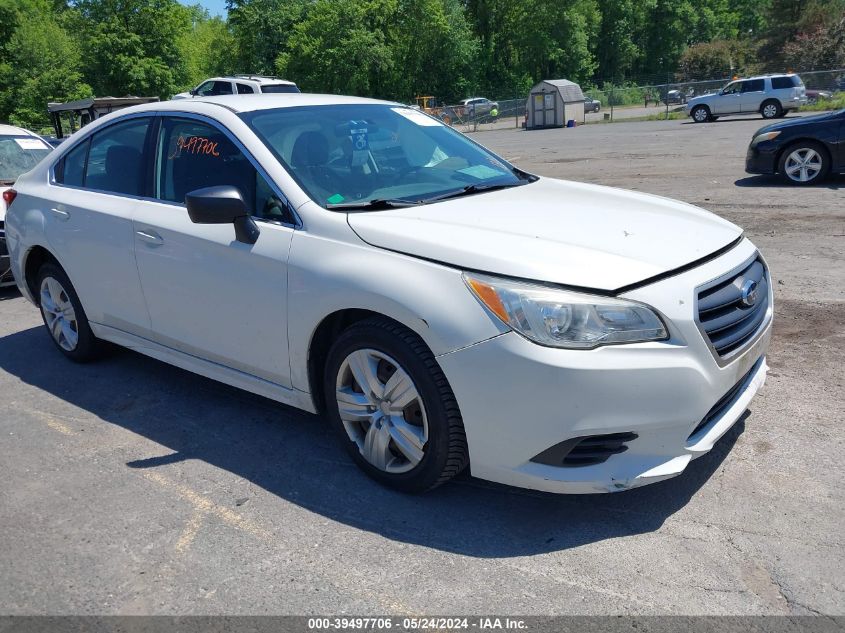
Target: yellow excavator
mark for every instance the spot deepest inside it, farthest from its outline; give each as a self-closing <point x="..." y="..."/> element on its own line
<point x="447" y="114"/>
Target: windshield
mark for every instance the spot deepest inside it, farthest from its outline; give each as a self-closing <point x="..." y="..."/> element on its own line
<point x="352" y="155"/>
<point x="19" y="154"/>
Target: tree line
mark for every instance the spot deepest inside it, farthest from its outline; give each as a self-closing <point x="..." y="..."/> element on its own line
<point x="58" y="50"/>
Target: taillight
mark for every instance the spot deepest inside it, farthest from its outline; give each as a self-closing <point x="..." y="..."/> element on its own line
<point x="9" y="196"/>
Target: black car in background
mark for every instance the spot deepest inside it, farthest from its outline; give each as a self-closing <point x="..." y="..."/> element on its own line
<point x="803" y="151"/>
<point x="591" y="105"/>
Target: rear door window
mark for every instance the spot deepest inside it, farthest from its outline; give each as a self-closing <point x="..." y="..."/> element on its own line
<point x="753" y="85"/>
<point x="244" y="89"/>
<point x="116" y="158"/>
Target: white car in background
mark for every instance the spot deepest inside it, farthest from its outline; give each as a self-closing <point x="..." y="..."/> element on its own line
<point x="20" y="151"/>
<point x="440" y="306"/>
<point x="770" y="96"/>
<point x="240" y="85"/>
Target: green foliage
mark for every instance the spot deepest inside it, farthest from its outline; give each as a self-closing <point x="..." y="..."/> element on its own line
<point x="132" y="46"/>
<point x="39" y="62"/>
<point x="837" y="102"/>
<point x="262" y="30"/>
<point x="59" y="50"/>
<point x="385" y="48"/>
<point x="206" y="49"/>
<point x="823" y="47"/>
<point x="716" y="59"/>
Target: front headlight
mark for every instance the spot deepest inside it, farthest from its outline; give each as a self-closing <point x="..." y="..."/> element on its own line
<point x="561" y="318"/>
<point x="767" y="136"/>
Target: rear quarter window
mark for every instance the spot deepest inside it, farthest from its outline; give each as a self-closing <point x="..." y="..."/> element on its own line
<point x="779" y="83"/>
<point x="279" y="88"/>
<point x="71" y="168"/>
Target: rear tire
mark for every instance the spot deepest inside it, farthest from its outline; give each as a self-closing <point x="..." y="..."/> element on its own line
<point x="700" y="114"/>
<point x="804" y="163"/>
<point x="64" y="316"/>
<point x="392" y="407"/>
<point x="771" y="109"/>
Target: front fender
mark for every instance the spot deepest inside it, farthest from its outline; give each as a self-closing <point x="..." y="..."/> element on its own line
<point x="325" y="276"/>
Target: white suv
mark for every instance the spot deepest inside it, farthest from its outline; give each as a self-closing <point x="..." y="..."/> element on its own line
<point x="440" y="307"/>
<point x="771" y="96"/>
<point x="239" y="85"/>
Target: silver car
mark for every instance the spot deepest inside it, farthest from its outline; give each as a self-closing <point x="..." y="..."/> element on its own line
<point x="771" y="96"/>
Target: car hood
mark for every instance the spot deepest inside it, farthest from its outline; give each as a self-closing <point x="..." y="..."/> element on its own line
<point x="799" y="121"/>
<point x="554" y="231"/>
<point x="701" y="99"/>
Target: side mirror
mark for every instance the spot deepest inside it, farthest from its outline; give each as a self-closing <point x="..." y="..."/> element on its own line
<point x="222" y="205"/>
<point x="193" y="92"/>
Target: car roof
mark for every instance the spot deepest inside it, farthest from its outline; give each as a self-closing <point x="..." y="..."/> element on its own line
<point x="13" y="130"/>
<point x="251" y="103"/>
<point x="766" y="76"/>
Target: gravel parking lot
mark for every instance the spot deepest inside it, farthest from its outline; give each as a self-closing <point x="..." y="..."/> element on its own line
<point x="133" y="487"/>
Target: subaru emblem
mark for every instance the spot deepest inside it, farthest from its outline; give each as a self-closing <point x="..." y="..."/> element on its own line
<point x="748" y="295"/>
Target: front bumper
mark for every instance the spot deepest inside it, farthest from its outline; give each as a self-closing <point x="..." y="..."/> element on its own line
<point x="518" y="399"/>
<point x="762" y="158"/>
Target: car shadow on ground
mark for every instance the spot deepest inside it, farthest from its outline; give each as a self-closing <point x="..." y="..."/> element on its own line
<point x="294" y="456"/>
<point x="834" y="182"/>
<point x="9" y="292"/>
<point x="723" y="118"/>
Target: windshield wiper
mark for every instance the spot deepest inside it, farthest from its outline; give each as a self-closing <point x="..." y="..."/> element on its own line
<point x="373" y="205"/>
<point x="471" y="189"/>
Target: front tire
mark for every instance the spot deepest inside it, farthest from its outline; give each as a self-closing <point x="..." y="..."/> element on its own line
<point x="804" y="163"/>
<point x="64" y="316"/>
<point x="392" y="407"/>
<point x="700" y="114"/>
<point x="771" y="109"/>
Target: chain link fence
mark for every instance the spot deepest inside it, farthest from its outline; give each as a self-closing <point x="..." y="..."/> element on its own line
<point x="615" y="103"/>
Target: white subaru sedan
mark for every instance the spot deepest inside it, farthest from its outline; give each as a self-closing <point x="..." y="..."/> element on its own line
<point x="439" y="306"/>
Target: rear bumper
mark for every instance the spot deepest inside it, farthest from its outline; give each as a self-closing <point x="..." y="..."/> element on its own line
<point x="6" y="278"/>
<point x="519" y="399"/>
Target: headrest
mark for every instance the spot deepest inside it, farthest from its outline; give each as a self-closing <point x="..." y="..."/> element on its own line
<point x="310" y="150"/>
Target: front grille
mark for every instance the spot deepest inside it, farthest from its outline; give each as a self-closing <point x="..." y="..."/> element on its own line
<point x="726" y="312"/>
<point x="726" y="401"/>
<point x="585" y="451"/>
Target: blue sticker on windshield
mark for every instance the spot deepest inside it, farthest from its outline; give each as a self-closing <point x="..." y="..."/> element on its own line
<point x="482" y="172"/>
<point x="359" y="133"/>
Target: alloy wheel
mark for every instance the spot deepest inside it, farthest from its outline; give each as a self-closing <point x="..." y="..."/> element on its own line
<point x="700" y="115"/>
<point x="59" y="314"/>
<point x="382" y="411"/>
<point x="803" y="164"/>
<point x="770" y="111"/>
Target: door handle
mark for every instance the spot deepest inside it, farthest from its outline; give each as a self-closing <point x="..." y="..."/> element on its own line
<point x="61" y="213"/>
<point x="151" y="237"/>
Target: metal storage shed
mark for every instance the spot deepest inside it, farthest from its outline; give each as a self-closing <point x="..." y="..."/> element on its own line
<point x="553" y="102"/>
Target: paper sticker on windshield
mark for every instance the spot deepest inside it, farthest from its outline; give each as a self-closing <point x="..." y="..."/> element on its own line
<point x="360" y="145"/>
<point x="482" y="172"/>
<point x="31" y="143"/>
<point x="417" y="117"/>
